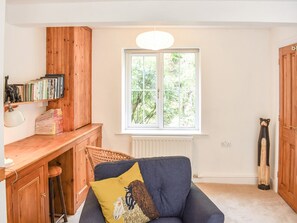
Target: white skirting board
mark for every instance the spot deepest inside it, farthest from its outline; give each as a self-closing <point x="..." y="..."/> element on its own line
<point x="227" y="179"/>
<point x="253" y="180"/>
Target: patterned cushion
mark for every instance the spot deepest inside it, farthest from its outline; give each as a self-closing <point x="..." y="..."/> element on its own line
<point x="125" y="198"/>
<point x="168" y="180"/>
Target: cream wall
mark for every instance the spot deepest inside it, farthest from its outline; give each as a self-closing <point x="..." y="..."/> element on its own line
<point x="237" y="89"/>
<point x="239" y="85"/>
<point x="24" y="61"/>
<point x="2" y="184"/>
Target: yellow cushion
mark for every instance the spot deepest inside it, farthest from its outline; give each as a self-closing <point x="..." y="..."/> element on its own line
<point x="125" y="199"/>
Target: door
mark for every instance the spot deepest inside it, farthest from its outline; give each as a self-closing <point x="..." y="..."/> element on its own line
<point x="29" y="198"/>
<point x="287" y="173"/>
<point x="81" y="184"/>
<point x="82" y="79"/>
<point x="93" y="141"/>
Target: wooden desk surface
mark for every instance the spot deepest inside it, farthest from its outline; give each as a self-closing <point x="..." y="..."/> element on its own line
<point x="34" y="148"/>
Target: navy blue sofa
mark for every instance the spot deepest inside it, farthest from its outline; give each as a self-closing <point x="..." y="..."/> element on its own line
<point x="168" y="180"/>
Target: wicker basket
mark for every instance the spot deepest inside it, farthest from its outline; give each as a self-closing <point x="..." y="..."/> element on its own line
<point x="98" y="155"/>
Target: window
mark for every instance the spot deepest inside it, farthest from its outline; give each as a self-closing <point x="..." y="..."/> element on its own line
<point x="161" y="90"/>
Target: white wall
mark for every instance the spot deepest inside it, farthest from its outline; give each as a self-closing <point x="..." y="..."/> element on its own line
<point x="25" y="51"/>
<point x="239" y="85"/>
<point x="237" y="89"/>
<point x="280" y="37"/>
<point x="2" y="184"/>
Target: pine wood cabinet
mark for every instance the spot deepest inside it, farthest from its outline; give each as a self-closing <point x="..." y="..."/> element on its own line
<point x="83" y="170"/>
<point x="81" y="183"/>
<point x="69" y="52"/>
<point x="94" y="141"/>
<point x="27" y="192"/>
<point x="27" y="197"/>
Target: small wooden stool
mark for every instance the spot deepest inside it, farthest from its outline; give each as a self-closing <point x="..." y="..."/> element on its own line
<point x="55" y="172"/>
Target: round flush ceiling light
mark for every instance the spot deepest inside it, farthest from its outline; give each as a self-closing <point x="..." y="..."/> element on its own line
<point x="154" y="40"/>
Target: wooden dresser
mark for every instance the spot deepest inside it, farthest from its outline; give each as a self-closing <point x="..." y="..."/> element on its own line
<point x="27" y="179"/>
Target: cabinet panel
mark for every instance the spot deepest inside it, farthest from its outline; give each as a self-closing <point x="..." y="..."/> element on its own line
<point x="80" y="181"/>
<point x="29" y="197"/>
<point x="82" y="77"/>
<point x="95" y="140"/>
<point x="69" y="52"/>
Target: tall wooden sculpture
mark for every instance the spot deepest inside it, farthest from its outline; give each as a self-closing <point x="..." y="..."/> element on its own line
<point x="263" y="156"/>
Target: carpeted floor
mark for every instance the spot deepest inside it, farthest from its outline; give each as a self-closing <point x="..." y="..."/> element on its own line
<point x="248" y="204"/>
<point x="242" y="204"/>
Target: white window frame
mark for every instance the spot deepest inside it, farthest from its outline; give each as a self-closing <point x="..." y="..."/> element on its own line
<point x="126" y="93"/>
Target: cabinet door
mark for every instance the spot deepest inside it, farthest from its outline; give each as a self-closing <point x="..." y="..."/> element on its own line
<point x="93" y="141"/>
<point x="81" y="184"/>
<point x="82" y="79"/>
<point x="69" y="52"/>
<point x="29" y="198"/>
<point x="60" y="60"/>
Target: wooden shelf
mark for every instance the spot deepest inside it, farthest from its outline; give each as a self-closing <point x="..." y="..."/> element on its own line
<point x="29" y="102"/>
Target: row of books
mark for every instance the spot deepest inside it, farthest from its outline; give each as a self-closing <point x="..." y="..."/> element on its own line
<point x="51" y="86"/>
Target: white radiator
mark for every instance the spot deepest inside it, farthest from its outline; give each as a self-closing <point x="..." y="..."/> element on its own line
<point x="153" y="146"/>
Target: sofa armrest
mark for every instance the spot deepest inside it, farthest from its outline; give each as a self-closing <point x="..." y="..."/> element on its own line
<point x="200" y="209"/>
<point x="91" y="212"/>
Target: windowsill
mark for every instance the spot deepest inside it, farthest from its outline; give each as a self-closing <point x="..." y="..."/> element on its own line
<point x="163" y="132"/>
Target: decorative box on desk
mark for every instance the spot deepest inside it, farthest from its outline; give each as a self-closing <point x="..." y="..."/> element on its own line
<point x="49" y="123"/>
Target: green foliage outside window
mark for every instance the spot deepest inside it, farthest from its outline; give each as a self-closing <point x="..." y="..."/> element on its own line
<point x="177" y="92"/>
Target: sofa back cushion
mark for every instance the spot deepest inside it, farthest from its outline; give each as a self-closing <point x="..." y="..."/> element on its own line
<point x="168" y="180"/>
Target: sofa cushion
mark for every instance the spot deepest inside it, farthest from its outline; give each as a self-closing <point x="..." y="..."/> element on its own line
<point x="125" y="198"/>
<point x="168" y="180"/>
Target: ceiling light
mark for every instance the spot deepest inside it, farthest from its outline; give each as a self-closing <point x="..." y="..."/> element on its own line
<point x="154" y="40"/>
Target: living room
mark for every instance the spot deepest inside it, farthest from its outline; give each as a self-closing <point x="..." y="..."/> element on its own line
<point x="238" y="63"/>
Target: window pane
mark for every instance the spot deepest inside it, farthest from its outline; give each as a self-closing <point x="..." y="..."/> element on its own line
<point x="150" y="73"/>
<point x="171" y="71"/>
<point x="187" y="110"/>
<point x="137" y="73"/>
<point x="179" y="90"/>
<point x="150" y="114"/>
<point x="171" y="109"/>
<point x="143" y="90"/>
<point x="137" y="107"/>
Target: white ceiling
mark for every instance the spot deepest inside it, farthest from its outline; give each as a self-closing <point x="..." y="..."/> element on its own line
<point x="72" y="1"/>
<point x="111" y="13"/>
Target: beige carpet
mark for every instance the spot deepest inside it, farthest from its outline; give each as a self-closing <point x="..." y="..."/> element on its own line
<point x="248" y="204"/>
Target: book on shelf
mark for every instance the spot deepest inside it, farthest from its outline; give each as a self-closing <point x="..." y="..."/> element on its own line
<point x="51" y="86"/>
<point x="60" y="83"/>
